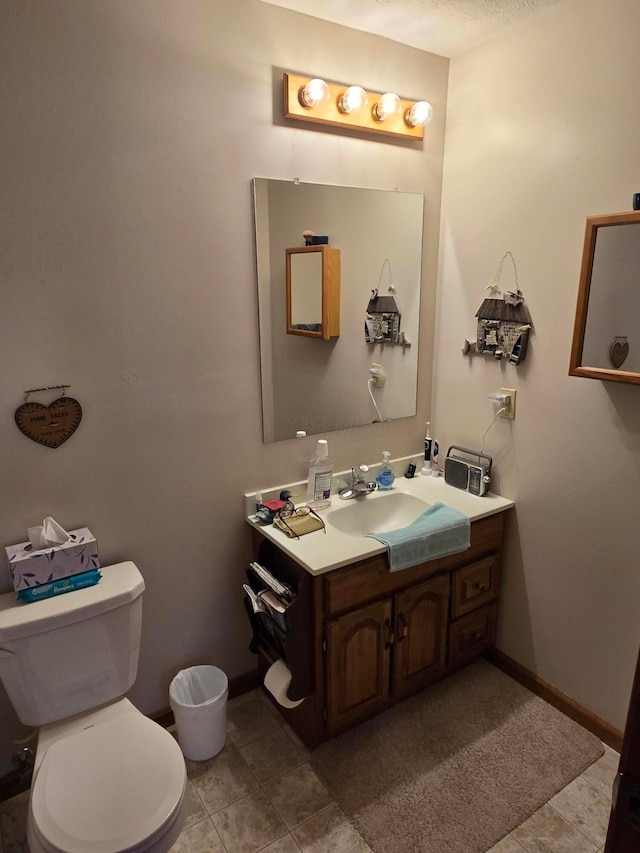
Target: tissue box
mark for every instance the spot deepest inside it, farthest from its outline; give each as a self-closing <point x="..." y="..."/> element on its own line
<point x="31" y="568"/>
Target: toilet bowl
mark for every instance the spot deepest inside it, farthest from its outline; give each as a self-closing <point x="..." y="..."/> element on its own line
<point x="106" y="781"/>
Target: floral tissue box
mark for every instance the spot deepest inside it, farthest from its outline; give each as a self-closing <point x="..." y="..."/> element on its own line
<point x="31" y="568"/>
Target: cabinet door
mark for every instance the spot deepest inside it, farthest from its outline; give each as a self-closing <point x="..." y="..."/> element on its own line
<point x="421" y="635"/>
<point x="358" y="663"/>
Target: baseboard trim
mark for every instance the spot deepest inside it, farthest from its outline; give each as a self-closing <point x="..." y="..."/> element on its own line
<point x="579" y="714"/>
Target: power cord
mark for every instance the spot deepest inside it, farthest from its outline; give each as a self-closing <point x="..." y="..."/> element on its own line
<point x="499" y="412"/>
<point x="375" y="406"/>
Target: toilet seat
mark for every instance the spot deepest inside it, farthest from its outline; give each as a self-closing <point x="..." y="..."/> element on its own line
<point x="114" y="786"/>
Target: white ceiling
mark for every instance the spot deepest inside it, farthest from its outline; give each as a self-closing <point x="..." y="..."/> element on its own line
<point x="445" y="27"/>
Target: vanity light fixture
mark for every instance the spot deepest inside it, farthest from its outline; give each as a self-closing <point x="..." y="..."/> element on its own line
<point x="388" y="104"/>
<point x="420" y="114"/>
<point x="353" y="98"/>
<point x="310" y="99"/>
<point x="316" y="90"/>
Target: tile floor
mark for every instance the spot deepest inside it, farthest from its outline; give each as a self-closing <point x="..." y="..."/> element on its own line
<point x="260" y="794"/>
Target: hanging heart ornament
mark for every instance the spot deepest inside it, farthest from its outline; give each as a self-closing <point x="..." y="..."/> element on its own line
<point x="50" y="425"/>
<point x="618" y="353"/>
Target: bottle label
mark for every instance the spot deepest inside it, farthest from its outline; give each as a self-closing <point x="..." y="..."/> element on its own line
<point x="322" y="486"/>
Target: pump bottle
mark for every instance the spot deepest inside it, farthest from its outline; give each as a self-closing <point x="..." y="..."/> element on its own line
<point x="319" y="478"/>
<point x="386" y="475"/>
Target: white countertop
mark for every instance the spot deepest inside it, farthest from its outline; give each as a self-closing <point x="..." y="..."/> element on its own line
<point x="320" y="552"/>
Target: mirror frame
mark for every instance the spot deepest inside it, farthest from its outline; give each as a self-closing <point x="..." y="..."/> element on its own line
<point x="330" y="291"/>
<point x="576" y="368"/>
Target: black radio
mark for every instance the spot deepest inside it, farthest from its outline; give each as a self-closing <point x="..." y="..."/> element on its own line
<point x="471" y="476"/>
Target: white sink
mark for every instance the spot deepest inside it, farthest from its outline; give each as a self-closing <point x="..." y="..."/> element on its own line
<point x="376" y="513"/>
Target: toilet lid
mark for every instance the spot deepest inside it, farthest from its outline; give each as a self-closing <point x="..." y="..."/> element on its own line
<point x="109" y="787"/>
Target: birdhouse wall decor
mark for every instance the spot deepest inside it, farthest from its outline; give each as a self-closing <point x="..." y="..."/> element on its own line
<point x="504" y="322"/>
<point x="382" y="318"/>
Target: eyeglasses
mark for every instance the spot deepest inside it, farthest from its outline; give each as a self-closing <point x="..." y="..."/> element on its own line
<point x="289" y="513"/>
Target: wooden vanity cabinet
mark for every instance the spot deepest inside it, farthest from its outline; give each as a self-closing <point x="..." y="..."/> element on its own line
<point x="390" y="648"/>
<point x="370" y="637"/>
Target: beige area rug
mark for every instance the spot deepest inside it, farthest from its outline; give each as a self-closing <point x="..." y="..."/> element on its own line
<point x="456" y="767"/>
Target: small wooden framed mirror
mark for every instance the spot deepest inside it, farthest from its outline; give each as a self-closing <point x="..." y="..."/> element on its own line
<point x="606" y="334"/>
<point x="313" y="292"/>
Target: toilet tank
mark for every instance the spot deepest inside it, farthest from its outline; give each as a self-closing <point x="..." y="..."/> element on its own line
<point x="72" y="652"/>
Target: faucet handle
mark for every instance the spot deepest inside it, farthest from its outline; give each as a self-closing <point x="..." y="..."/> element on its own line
<point x="359" y="478"/>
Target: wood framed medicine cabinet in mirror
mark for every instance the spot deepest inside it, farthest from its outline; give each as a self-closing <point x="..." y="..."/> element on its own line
<point x="313" y="292"/>
<point x="606" y="335"/>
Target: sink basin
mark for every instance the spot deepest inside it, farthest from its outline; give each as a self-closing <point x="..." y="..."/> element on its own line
<point x="376" y="514"/>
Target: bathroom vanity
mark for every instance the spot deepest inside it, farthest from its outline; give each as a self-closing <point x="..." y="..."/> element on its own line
<point x="360" y="638"/>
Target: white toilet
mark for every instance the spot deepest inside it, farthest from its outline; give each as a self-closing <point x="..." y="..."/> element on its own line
<point x="106" y="778"/>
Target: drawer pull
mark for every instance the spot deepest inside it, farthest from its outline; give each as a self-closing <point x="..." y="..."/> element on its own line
<point x="481" y="587"/>
<point x="402" y="628"/>
<point x="390" y="635"/>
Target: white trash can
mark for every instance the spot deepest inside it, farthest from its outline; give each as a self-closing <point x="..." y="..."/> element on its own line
<point x="198" y="699"/>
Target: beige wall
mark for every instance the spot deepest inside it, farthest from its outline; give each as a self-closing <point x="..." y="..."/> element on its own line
<point x="127" y="271"/>
<point x="131" y="132"/>
<point x="542" y="131"/>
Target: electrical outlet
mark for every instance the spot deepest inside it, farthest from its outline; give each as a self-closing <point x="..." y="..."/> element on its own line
<point x="510" y="407"/>
<point x="377" y="375"/>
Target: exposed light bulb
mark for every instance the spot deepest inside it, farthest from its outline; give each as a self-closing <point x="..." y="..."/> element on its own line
<point x="352" y="99"/>
<point x="388" y="104"/>
<point x="315" y="90"/>
<point x="419" y="114"/>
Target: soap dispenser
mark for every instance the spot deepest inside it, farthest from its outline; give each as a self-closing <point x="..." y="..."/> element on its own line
<point x="386" y="474"/>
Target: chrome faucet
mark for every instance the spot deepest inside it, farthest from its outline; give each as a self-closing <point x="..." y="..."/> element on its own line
<point x="359" y="486"/>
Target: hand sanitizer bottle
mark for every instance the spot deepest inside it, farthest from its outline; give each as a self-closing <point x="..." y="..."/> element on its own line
<point x="386" y="474"/>
<point x="319" y="479"/>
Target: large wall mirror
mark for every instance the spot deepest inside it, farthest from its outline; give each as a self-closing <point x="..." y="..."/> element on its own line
<point x="322" y="385"/>
<point x="606" y="337"/>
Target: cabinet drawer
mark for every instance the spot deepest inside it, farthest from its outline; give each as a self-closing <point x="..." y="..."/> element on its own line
<point x="471" y="634"/>
<point x="362" y="582"/>
<point x="475" y="585"/>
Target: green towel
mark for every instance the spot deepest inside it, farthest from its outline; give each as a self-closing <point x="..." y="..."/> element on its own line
<point x="439" y="531"/>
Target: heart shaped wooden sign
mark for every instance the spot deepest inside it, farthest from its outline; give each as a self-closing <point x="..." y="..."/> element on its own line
<point x="618" y="353"/>
<point x="49" y="425"/>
